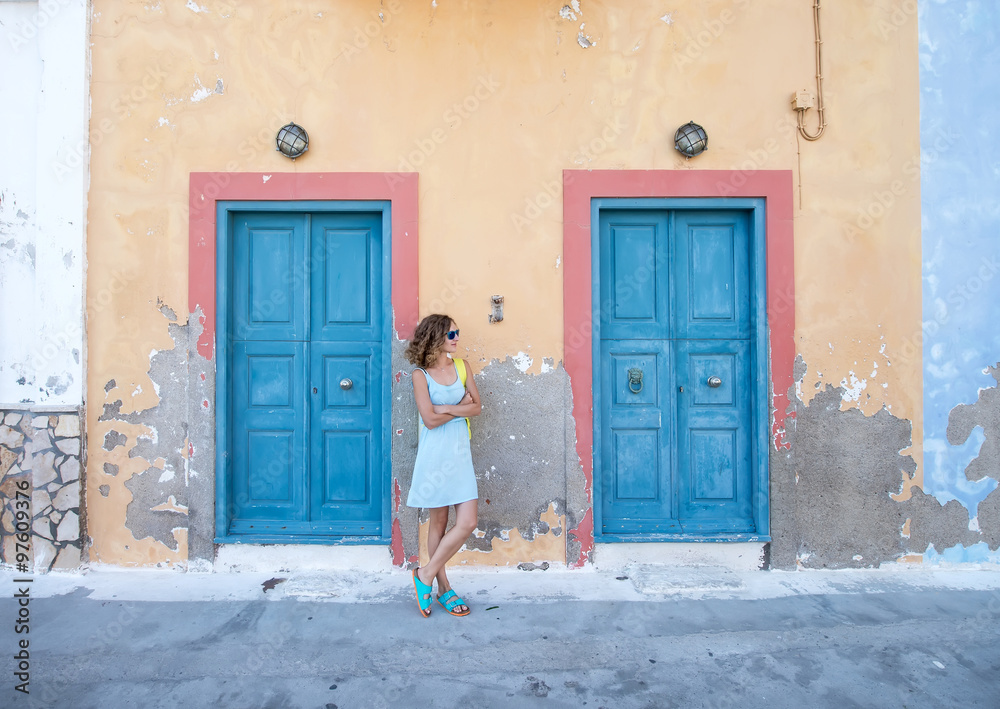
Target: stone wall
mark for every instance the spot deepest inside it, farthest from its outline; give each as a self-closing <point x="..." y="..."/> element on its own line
<point x="43" y="448"/>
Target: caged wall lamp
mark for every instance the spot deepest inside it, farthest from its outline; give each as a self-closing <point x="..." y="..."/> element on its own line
<point x="292" y="140"/>
<point x="691" y="139"/>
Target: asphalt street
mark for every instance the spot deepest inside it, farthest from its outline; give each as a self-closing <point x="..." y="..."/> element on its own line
<point x="151" y="639"/>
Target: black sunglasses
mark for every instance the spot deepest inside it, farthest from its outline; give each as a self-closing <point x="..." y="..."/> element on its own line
<point x="452" y="334"/>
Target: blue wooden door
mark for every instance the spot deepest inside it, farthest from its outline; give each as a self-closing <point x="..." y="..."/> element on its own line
<point x="306" y="389"/>
<point x="674" y="414"/>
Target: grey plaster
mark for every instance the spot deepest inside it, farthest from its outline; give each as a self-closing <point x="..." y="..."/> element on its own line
<point x="113" y="439"/>
<point x="519" y="477"/>
<point x="182" y="424"/>
<point x="578" y="499"/>
<point x="404" y="446"/>
<point x="830" y="504"/>
<point x="830" y="493"/>
<point x="986" y="414"/>
<point x="201" y="441"/>
<point x="519" y="448"/>
<point x="989" y="519"/>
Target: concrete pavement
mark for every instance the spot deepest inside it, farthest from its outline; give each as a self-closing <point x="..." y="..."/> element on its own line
<point x="648" y="637"/>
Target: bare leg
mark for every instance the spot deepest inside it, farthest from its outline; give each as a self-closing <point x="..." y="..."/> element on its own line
<point x="466" y="519"/>
<point x="436" y="527"/>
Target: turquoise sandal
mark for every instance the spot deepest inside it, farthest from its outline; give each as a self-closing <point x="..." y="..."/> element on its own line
<point x="450" y="601"/>
<point x="423" y="592"/>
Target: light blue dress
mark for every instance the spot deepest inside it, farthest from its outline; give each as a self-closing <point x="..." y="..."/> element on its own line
<point x="443" y="473"/>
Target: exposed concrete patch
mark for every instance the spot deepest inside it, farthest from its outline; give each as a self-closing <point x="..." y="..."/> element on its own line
<point x="989" y="519"/>
<point x="831" y="492"/>
<point x="944" y="526"/>
<point x="179" y="424"/>
<point x="985" y="413"/>
<point x="520" y="451"/>
<point x="524" y="467"/>
<point x="509" y="547"/>
<point x="113" y="439"/>
<point x="405" y="530"/>
<point x="830" y="503"/>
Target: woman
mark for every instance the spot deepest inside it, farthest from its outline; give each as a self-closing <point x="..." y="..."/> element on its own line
<point x="442" y="476"/>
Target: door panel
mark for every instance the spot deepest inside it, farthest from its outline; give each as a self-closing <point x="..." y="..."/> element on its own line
<point x="308" y="387"/>
<point x="636" y="436"/>
<point x="269" y="262"/>
<point x="711" y="275"/>
<point x="635" y="282"/>
<point x="346" y="276"/>
<point x="636" y="461"/>
<point x="675" y="306"/>
<point x="346" y="445"/>
<point x="713" y="452"/>
<point x="346" y="463"/>
<point x="269" y="430"/>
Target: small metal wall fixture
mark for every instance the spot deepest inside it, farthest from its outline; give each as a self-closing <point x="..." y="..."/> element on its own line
<point x="496" y="315"/>
<point x="292" y="140"/>
<point x="691" y="139"/>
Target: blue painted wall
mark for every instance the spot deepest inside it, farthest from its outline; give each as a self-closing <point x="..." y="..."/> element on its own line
<point x="960" y="201"/>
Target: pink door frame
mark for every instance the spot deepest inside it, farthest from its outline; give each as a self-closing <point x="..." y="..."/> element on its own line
<point x="579" y="188"/>
<point x="399" y="188"/>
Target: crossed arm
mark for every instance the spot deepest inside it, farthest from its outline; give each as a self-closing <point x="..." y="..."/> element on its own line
<point x="437" y="415"/>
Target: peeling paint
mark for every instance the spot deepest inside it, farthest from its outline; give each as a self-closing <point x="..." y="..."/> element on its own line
<point x="149" y="438"/>
<point x="523" y="509"/>
<point x="510" y="547"/>
<point x="835" y="499"/>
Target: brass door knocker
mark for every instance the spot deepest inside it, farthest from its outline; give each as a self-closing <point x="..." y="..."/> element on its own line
<point x="634" y="377"/>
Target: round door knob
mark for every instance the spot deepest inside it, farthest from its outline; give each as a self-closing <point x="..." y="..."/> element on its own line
<point x="714" y="382"/>
<point x="346" y="384"/>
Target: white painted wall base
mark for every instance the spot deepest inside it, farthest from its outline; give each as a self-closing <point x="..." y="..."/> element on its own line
<point x="739" y="556"/>
<point x="611" y="558"/>
<point x="286" y="558"/>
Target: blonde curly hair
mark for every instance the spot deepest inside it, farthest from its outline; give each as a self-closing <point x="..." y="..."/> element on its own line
<point x="428" y="340"/>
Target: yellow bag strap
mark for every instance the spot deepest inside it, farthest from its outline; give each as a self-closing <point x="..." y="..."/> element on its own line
<point x="462" y="376"/>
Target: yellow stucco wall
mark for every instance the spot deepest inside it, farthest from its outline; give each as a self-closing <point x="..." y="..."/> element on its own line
<point x="490" y="101"/>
